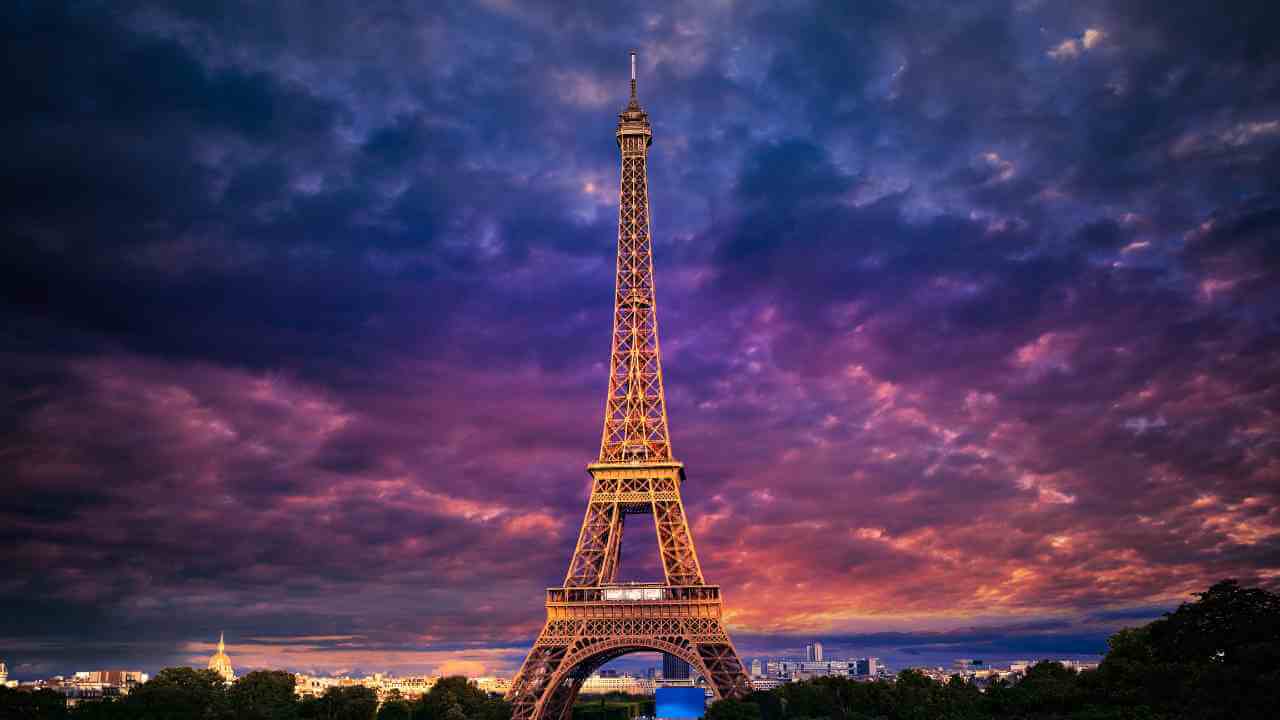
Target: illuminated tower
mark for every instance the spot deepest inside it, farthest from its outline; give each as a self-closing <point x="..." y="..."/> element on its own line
<point x="593" y="619"/>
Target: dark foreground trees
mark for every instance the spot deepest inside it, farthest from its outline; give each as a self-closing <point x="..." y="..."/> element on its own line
<point x="1217" y="658"/>
<point x="264" y="695"/>
<point x="455" y="698"/>
<point x="39" y="704"/>
<point x="353" y="702"/>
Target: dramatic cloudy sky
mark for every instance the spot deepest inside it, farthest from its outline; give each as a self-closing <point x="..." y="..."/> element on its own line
<point x="969" y="311"/>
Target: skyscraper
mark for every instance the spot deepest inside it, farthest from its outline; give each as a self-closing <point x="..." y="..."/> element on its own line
<point x="867" y="666"/>
<point x="813" y="653"/>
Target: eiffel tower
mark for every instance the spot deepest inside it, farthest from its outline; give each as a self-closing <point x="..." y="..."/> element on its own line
<point x="593" y="618"/>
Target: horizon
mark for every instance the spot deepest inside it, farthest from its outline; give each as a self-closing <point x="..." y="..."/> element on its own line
<point x="926" y="656"/>
<point x="968" y="316"/>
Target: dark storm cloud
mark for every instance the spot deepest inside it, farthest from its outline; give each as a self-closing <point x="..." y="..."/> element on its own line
<point x="967" y="312"/>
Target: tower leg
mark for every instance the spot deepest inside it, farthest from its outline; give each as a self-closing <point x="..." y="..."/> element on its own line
<point x="675" y="543"/>
<point x="595" y="559"/>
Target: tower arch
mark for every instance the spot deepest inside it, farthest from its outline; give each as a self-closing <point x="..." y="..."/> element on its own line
<point x="564" y="683"/>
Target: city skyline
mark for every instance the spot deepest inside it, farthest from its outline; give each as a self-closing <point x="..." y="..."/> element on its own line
<point x="667" y="669"/>
<point x="969" y="322"/>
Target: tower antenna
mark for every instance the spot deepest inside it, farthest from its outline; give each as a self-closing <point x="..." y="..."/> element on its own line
<point x="633" y="74"/>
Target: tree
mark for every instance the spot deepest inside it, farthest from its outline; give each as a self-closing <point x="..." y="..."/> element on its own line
<point x="105" y="709"/>
<point x="768" y="703"/>
<point x="180" y="693"/>
<point x="394" y="709"/>
<point x="916" y="695"/>
<point x="38" y="705"/>
<point x="733" y="709"/>
<point x="1047" y="687"/>
<point x="1228" y="625"/>
<point x="458" y="693"/>
<point x="961" y="697"/>
<point x="263" y="695"/>
<point x="350" y="702"/>
<point x="1216" y="657"/>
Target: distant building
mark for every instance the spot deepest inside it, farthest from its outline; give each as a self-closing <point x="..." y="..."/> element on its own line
<point x="386" y="686"/>
<point x="90" y="685"/>
<point x="601" y="684"/>
<point x="312" y="686"/>
<point x="766" y="683"/>
<point x="220" y="663"/>
<point x="673" y="668"/>
<point x="818" y="669"/>
<point x="813" y="653"/>
<point x="756" y="669"/>
<point x="492" y="685"/>
<point x="119" y="678"/>
<point x="868" y="667"/>
<point x="414" y="686"/>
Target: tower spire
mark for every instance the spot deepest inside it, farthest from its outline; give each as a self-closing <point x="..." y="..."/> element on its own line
<point x="222" y="646"/>
<point x="633" y="80"/>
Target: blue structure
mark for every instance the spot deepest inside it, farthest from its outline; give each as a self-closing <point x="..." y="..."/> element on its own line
<point x="680" y="702"/>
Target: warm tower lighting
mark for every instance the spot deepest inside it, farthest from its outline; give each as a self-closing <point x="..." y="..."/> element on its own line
<point x="593" y="619"/>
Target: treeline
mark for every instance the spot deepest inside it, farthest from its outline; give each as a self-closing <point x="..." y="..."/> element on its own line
<point x="187" y="694"/>
<point x="1217" y="658"/>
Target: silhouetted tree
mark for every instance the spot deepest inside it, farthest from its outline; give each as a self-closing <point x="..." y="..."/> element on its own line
<point x="38" y="705"/>
<point x="731" y="709"/>
<point x="179" y="693"/>
<point x="1216" y="657"/>
<point x="106" y="709"/>
<point x="263" y="695"/>
<point x="768" y="703"/>
<point x="962" y="698"/>
<point x="351" y="702"/>
<point x="1047" y="689"/>
<point x="394" y="709"/>
<point x="456" y="693"/>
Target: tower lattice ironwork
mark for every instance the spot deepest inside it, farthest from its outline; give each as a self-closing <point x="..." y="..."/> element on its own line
<point x="593" y="618"/>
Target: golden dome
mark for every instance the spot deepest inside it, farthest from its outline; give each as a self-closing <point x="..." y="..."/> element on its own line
<point x="220" y="663"/>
